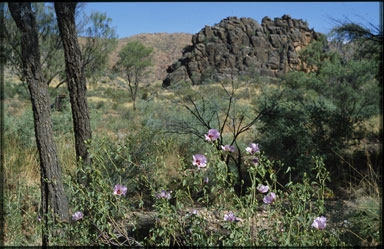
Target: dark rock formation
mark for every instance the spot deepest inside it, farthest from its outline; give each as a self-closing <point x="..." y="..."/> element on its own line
<point x="242" y="46"/>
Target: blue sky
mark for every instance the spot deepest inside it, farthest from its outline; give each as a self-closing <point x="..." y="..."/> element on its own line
<point x="130" y="18"/>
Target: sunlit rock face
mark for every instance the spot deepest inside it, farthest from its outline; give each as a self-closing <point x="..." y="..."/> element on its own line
<point x="241" y="46"/>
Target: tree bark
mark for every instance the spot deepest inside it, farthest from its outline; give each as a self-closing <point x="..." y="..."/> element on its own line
<point x="52" y="189"/>
<point x="65" y="13"/>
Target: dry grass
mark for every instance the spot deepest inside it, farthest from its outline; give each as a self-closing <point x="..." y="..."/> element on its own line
<point x="67" y="154"/>
<point x="21" y="164"/>
<point x="373" y="124"/>
<point x="128" y="105"/>
<point x="98" y="99"/>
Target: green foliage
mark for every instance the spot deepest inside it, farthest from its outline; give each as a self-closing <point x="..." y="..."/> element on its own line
<point x="100" y="42"/>
<point x="117" y="96"/>
<point x="134" y="60"/>
<point x="160" y="120"/>
<point x="20" y="127"/>
<point x="105" y="214"/>
<point x="139" y="161"/>
<point x="366" y="220"/>
<point x="14" y="90"/>
<point x="62" y="121"/>
<point x="21" y="214"/>
<point x="317" y="113"/>
<point x="369" y="40"/>
<point x="288" y="220"/>
<point x="309" y="114"/>
<point x="316" y="53"/>
<point x="52" y="58"/>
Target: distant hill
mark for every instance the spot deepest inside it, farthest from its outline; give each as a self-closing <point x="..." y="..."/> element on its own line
<point x="167" y="49"/>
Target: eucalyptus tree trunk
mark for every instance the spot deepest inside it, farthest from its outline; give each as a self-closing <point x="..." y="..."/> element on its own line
<point x="65" y="13"/>
<point x="52" y="189"/>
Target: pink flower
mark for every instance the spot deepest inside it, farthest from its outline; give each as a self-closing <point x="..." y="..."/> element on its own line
<point x="119" y="190"/>
<point x="268" y="199"/>
<point x="228" y="148"/>
<point x="319" y="223"/>
<point x="199" y="160"/>
<point x="212" y="135"/>
<point x="164" y="195"/>
<point x="230" y="217"/>
<point x="253" y="148"/>
<point x="77" y="216"/>
<point x="263" y="189"/>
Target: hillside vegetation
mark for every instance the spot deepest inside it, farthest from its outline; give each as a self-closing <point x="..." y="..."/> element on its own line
<point x="167" y="49"/>
<point x="246" y="161"/>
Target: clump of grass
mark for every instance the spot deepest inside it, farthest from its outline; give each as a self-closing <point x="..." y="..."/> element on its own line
<point x="366" y="220"/>
<point x="365" y="207"/>
<point x="21" y="195"/>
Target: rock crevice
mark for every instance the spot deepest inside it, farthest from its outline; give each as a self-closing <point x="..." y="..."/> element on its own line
<point x="242" y="46"/>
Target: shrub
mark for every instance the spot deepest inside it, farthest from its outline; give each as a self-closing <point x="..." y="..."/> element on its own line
<point x="13" y="90"/>
<point x="316" y="113"/>
<point x="118" y="96"/>
<point x="99" y="210"/>
<point x="20" y="127"/>
<point x="289" y="218"/>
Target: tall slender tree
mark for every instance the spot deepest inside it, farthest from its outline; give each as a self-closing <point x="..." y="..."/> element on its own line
<point x="65" y="13"/>
<point x="52" y="189"/>
<point x="134" y="60"/>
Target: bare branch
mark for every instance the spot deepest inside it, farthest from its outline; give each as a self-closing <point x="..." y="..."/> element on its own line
<point x="60" y="83"/>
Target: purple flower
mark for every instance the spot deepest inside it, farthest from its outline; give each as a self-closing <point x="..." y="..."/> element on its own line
<point x="164" y="195"/>
<point x="268" y="199"/>
<point x="319" y="223"/>
<point x="39" y="218"/>
<point x="119" y="190"/>
<point x="194" y="211"/>
<point x="263" y="189"/>
<point x="230" y="217"/>
<point x="206" y="180"/>
<point x="253" y="148"/>
<point x="77" y="216"/>
<point x="212" y="135"/>
<point x="255" y="161"/>
<point x="199" y="160"/>
<point x="228" y="148"/>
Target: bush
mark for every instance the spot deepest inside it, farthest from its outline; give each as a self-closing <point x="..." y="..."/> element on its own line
<point x="118" y="96"/>
<point x="20" y="127"/>
<point x="289" y="218"/>
<point x="62" y="121"/>
<point x="316" y="113"/>
<point x="19" y="90"/>
<point x="192" y="209"/>
<point x="104" y="213"/>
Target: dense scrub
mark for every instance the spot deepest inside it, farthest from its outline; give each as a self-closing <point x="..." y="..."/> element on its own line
<point x="316" y="136"/>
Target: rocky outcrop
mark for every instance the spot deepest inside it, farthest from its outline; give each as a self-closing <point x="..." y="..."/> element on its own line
<point x="242" y="46"/>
